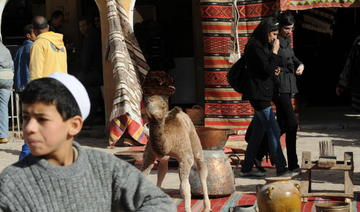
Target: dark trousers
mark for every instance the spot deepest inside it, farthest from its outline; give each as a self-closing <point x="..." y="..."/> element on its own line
<point x="96" y="100"/>
<point x="264" y="123"/>
<point x="288" y="125"/>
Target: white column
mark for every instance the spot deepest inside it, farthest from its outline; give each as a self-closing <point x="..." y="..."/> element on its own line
<point x="131" y="13"/>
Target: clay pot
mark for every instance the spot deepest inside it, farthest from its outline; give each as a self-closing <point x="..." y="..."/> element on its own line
<point x="213" y="138"/>
<point x="220" y="180"/>
<point x="196" y="114"/>
<point x="279" y="194"/>
<point x="332" y="207"/>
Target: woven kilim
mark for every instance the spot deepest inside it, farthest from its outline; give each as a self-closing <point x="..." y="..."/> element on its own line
<point x="223" y="106"/>
<point x="309" y="4"/>
<point x="129" y="68"/>
<point x="225" y="204"/>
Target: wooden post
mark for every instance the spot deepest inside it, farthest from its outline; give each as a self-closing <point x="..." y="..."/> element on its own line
<point x="305" y="183"/>
<point x="348" y="184"/>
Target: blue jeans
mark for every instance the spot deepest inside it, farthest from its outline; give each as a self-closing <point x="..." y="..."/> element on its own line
<point x="264" y="122"/>
<point x="5" y="91"/>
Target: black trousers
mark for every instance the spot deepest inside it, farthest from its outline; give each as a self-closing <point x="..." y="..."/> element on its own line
<point x="288" y="124"/>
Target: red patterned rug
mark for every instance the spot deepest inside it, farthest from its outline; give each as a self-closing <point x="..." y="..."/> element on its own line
<point x="223" y="106"/>
<point x="225" y="203"/>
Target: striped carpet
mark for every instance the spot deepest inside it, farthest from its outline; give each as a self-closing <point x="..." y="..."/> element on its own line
<point x="237" y="198"/>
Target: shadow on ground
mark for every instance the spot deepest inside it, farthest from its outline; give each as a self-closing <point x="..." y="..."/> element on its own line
<point x="10" y="151"/>
<point x="93" y="136"/>
<point x="246" y="188"/>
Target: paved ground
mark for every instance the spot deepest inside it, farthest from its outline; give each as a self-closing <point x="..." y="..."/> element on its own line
<point x="317" y="124"/>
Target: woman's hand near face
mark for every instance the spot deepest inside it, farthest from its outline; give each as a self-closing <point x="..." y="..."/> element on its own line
<point x="277" y="71"/>
<point x="300" y="69"/>
<point x="276" y="46"/>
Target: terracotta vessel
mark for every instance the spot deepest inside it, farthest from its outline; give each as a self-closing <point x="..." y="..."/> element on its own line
<point x="279" y="194"/>
<point x="196" y="114"/>
<point x="332" y="207"/>
<point x="213" y="138"/>
<point x="220" y="180"/>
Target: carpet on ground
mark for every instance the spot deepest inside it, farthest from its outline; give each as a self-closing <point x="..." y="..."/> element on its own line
<point x="225" y="203"/>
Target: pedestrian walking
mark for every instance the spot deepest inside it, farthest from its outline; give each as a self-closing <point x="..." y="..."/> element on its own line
<point x="287" y="88"/>
<point x="6" y="85"/>
<point x="263" y="64"/>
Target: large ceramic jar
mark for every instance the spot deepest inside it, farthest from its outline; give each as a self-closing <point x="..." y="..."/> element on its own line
<point x="279" y="194"/>
<point x="220" y="179"/>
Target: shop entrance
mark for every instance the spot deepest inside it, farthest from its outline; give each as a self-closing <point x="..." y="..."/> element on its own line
<point x="323" y="49"/>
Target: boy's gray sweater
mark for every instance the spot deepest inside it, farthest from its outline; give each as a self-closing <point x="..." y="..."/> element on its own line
<point x="96" y="181"/>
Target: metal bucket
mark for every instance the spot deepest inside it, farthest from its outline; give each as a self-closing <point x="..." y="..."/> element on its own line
<point x="333" y="207"/>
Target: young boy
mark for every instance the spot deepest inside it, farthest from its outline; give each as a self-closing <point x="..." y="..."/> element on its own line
<point x="59" y="174"/>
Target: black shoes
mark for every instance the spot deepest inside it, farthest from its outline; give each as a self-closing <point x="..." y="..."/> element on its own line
<point x="252" y="173"/>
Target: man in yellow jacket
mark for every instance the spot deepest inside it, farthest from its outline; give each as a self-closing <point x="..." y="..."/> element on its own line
<point x="48" y="53"/>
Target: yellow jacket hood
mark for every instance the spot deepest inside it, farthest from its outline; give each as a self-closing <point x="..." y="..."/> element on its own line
<point x="47" y="55"/>
<point x="54" y="38"/>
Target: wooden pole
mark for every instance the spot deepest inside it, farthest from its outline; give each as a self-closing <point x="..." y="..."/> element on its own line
<point x="109" y="84"/>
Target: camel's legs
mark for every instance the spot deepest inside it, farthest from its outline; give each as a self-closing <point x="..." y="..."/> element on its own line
<point x="203" y="173"/>
<point x="149" y="160"/>
<point x="162" y="170"/>
<point x="184" y="172"/>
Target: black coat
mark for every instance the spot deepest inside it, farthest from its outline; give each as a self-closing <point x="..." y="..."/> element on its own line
<point x="287" y="78"/>
<point x="90" y="62"/>
<point x="350" y="76"/>
<point x="261" y="64"/>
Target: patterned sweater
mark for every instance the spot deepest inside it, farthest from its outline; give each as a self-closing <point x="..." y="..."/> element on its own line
<point x="96" y="181"/>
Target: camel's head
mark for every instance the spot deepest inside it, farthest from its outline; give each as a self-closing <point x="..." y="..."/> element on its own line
<point x="156" y="107"/>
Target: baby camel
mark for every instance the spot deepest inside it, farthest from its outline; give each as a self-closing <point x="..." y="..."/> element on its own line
<point x="172" y="134"/>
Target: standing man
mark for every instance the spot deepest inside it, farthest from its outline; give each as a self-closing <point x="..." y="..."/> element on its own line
<point x="350" y="76"/>
<point x="56" y="21"/>
<point x="22" y="73"/>
<point x="6" y="84"/>
<point x="22" y="59"/>
<point x="90" y="66"/>
<point x="48" y="53"/>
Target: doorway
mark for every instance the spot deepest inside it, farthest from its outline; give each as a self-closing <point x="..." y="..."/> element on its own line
<point x="324" y="53"/>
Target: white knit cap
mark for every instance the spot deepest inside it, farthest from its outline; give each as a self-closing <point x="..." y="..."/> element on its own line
<point x="76" y="89"/>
